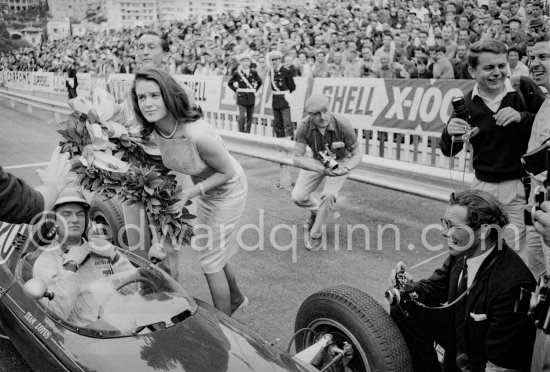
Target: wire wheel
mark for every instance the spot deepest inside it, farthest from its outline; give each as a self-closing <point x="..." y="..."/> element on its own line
<point x="353" y="316"/>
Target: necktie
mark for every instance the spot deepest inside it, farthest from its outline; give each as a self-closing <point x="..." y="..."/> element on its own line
<point x="460" y="320"/>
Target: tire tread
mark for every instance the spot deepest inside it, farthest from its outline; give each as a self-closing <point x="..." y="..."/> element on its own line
<point x="375" y="318"/>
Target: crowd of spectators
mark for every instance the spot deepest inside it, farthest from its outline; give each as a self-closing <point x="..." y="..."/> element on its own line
<point x="378" y="38"/>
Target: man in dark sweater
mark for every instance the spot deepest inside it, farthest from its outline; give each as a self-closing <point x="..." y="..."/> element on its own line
<point x="504" y="116"/>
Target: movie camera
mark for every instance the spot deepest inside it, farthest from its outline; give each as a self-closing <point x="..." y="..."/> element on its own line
<point x="536" y="304"/>
<point x="403" y="293"/>
<point x="328" y="159"/>
<point x="535" y="162"/>
<point x="461" y="112"/>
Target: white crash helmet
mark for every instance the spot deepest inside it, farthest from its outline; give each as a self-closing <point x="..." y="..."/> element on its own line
<point x="71" y="194"/>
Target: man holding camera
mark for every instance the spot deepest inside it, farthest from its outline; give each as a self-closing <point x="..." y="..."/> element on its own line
<point x="335" y="153"/>
<point x="538" y="253"/>
<point x="541" y="352"/>
<point x="481" y="281"/>
<point x="504" y="116"/>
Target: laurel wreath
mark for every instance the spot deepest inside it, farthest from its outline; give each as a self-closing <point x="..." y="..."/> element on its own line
<point x="116" y="162"/>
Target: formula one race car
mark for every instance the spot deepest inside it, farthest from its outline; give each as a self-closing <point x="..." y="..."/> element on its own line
<point x="151" y="323"/>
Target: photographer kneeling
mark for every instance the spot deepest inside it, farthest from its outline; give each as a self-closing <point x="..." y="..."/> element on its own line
<point x="479" y="330"/>
<point x="335" y="153"/>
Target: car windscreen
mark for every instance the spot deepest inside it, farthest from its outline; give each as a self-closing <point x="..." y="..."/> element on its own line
<point x="129" y="297"/>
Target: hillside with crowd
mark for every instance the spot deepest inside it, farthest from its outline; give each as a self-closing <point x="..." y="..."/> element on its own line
<point x="395" y="39"/>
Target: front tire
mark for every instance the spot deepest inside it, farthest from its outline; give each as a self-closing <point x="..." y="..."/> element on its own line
<point x="353" y="316"/>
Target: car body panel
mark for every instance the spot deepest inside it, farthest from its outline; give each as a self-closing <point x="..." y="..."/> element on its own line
<point x="202" y="343"/>
<point x="33" y="349"/>
<point x="206" y="340"/>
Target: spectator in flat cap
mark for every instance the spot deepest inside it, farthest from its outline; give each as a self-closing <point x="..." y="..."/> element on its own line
<point x="335" y="153"/>
<point x="245" y="82"/>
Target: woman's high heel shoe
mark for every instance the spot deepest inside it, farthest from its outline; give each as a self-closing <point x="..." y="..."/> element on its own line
<point x="241" y="306"/>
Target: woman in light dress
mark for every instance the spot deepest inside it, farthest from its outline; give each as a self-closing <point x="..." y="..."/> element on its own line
<point x="190" y="145"/>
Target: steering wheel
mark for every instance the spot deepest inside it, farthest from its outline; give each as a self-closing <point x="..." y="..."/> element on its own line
<point x="140" y="279"/>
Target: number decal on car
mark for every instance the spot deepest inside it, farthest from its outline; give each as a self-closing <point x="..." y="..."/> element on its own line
<point x="10" y="238"/>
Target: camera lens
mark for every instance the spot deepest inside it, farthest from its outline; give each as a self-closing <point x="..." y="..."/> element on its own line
<point x="392" y="296"/>
<point x="459" y="107"/>
<point x="333" y="164"/>
<point x="526" y="302"/>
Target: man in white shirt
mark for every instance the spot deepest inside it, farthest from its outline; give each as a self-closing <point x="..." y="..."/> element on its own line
<point x="538" y="253"/>
<point x="539" y="65"/>
<point x="418" y="9"/>
<point x="541" y="352"/>
<point x="154" y="51"/>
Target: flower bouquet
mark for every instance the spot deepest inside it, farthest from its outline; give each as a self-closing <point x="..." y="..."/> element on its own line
<point x="112" y="159"/>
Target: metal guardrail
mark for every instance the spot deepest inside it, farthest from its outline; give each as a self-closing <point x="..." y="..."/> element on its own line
<point x="424" y="180"/>
<point x="411" y="146"/>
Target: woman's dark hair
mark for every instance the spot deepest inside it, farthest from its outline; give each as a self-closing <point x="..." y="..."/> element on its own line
<point x="483" y="208"/>
<point x="517" y="50"/>
<point x="173" y="95"/>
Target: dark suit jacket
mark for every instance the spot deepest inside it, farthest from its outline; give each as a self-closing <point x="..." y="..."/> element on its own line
<point x="123" y="69"/>
<point x="505" y="338"/>
<point x="284" y="80"/>
<point x="19" y="202"/>
<point x="245" y="98"/>
<point x="71" y="74"/>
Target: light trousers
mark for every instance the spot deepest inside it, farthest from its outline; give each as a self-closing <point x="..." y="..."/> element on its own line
<point x="511" y="193"/>
<point x="307" y="183"/>
<point x="538" y="253"/>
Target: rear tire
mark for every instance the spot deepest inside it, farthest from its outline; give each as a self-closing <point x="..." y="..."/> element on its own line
<point x="108" y="219"/>
<point x="353" y="316"/>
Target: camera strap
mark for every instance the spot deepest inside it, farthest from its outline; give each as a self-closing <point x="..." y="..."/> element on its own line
<point x="323" y="142"/>
<point x="526" y="181"/>
<point x="466" y="148"/>
<point x="516" y="84"/>
<point x="493" y="259"/>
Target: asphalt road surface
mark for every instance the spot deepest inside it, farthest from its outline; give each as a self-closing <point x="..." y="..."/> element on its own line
<point x="372" y="230"/>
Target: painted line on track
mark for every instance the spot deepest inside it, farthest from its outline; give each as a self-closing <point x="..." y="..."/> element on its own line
<point x="32" y="165"/>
